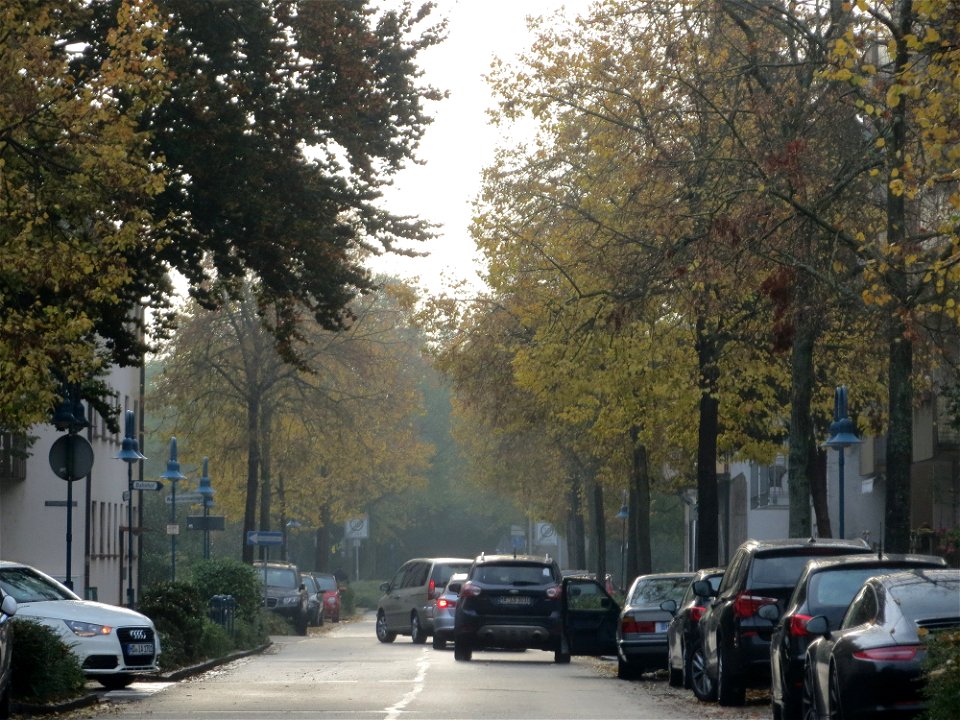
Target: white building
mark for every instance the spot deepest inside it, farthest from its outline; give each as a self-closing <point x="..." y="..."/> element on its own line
<point x="33" y="510"/>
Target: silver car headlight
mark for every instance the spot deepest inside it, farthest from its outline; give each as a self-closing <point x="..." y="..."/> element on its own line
<point x="85" y="629"/>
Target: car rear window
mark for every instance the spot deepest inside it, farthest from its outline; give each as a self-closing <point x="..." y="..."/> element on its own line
<point x="924" y="600"/>
<point x="443" y="571"/>
<point x="515" y="574"/>
<point x="326" y="582"/>
<point x="280" y="577"/>
<point x="783" y="570"/>
<point x="836" y="588"/>
<point x="653" y="591"/>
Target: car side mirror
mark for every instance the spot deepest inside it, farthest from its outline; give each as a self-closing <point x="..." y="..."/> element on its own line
<point x="703" y="589"/>
<point x="8" y="608"/>
<point x="303" y="587"/>
<point x="385" y="587"/>
<point x="769" y="612"/>
<point x="818" y="625"/>
<point x="669" y="606"/>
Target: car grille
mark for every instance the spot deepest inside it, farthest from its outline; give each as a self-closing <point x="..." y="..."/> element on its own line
<point x="271" y="602"/>
<point x="935" y="624"/>
<point x="138" y="645"/>
<point x="100" y="662"/>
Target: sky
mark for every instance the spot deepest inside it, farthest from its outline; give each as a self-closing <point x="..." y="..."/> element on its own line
<point x="460" y="142"/>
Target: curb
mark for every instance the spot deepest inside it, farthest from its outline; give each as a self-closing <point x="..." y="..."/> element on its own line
<point x="93" y="698"/>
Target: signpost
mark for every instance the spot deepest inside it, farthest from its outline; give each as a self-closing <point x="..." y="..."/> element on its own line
<point x="264" y="537"/>
<point x="206" y="522"/>
<point x="190" y="498"/>
<point x="147" y="485"/>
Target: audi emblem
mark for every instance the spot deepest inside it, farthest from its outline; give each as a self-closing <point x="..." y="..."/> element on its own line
<point x="138" y="634"/>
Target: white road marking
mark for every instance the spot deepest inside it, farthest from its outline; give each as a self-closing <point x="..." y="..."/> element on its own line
<point x="393" y="713"/>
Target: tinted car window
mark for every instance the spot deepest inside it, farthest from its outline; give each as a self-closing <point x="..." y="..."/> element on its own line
<point x="442" y="572"/>
<point x="652" y="592"/>
<point x="514" y="574"/>
<point x="863" y="609"/>
<point x="779" y="570"/>
<point x="416" y="575"/>
<point x="733" y="573"/>
<point x="924" y="600"/>
<point x="326" y="582"/>
<point x="26" y="586"/>
<point x="280" y="577"/>
<point x="836" y="588"/>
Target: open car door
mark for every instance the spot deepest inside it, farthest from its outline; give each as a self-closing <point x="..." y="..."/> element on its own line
<point x="590" y="617"/>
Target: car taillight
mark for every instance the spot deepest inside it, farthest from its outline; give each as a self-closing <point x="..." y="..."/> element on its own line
<point x="696" y="612"/>
<point x="432" y="589"/>
<point x="897" y="653"/>
<point x="554" y="592"/>
<point x="470" y="590"/>
<point x="631" y="626"/>
<point x="745" y="605"/>
<point x="443" y="604"/>
<point x="797" y="625"/>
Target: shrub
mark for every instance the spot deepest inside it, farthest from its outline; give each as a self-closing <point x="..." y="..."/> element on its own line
<point x="942" y="669"/>
<point x="231" y="577"/>
<point x="179" y="611"/>
<point x="43" y="667"/>
<point x="365" y="593"/>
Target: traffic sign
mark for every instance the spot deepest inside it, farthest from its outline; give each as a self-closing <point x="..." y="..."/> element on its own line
<point x="209" y="522"/>
<point x="71" y="457"/>
<point x="264" y="537"/>
<point x="147" y="485"/>
<point x="192" y="498"/>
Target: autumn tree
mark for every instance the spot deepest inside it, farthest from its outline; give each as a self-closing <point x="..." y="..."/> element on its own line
<point x="78" y="176"/>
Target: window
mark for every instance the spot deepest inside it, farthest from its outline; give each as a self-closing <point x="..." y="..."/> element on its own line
<point x="767" y="485"/>
<point x="862" y="610"/>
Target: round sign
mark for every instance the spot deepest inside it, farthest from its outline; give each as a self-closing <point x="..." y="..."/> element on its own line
<point x="71" y="457"/>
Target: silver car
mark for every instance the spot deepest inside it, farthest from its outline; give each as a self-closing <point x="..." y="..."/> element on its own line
<point x="443" y="610"/>
<point x="642" y="631"/>
<point x="403" y="608"/>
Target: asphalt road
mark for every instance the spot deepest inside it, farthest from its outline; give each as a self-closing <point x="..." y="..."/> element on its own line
<point x="342" y="671"/>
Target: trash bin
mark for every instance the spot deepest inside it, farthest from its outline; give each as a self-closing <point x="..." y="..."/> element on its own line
<point x="222" y="609"/>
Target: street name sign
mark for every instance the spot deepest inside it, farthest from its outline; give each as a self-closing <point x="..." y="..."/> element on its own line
<point x="147" y="485"/>
<point x="210" y="522"/>
<point x="192" y="498"/>
<point x="264" y="537"/>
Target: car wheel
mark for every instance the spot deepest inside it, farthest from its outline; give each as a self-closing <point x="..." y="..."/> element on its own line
<point x="384" y="635"/>
<point x="302" y="624"/>
<point x="115" y="682"/>
<point x="561" y="658"/>
<point x="439" y="643"/>
<point x="836" y="706"/>
<point x="336" y="618"/>
<point x="417" y="633"/>
<point x="808" y="698"/>
<point x="730" y="691"/>
<point x="320" y="617"/>
<point x="627" y="670"/>
<point x="462" y="651"/>
<point x="776" y="711"/>
<point x="701" y="683"/>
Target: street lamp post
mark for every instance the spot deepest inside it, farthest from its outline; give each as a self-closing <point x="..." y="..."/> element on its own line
<point x="206" y="490"/>
<point x="842" y="436"/>
<point x="623" y="515"/>
<point x="173" y="474"/>
<point x="130" y="454"/>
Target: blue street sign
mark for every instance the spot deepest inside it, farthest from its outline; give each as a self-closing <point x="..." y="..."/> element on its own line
<point x="264" y="537"/>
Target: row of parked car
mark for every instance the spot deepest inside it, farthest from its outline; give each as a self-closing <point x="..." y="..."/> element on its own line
<point x="305" y="599"/>
<point x="831" y="627"/>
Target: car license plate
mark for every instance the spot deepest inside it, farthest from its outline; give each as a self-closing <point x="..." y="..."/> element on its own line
<point x="662" y="626"/>
<point x="515" y="600"/>
<point x="140" y="649"/>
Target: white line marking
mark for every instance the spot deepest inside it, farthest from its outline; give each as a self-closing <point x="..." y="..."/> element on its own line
<point x="393" y="713"/>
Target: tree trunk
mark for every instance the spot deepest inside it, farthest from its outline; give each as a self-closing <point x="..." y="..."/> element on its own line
<point x="639" y="553"/>
<point x="266" y="489"/>
<point x="818" y="491"/>
<point x="253" y="468"/>
<point x="576" y="535"/>
<point x="321" y="558"/>
<point x="802" y="439"/>
<point x="708" y="539"/>
<point x="599" y="527"/>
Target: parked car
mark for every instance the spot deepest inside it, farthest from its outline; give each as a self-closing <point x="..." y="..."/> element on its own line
<point x="522" y="602"/>
<point x="683" y="632"/>
<point x="8" y="608"/>
<point x="284" y="593"/>
<point x="642" y="629"/>
<point x="826" y="587"/>
<point x="113" y="645"/>
<point x="871" y="664"/>
<point x="403" y="608"/>
<point x="734" y="638"/>
<point x="329" y="595"/>
<point x="314" y="600"/>
<point x="443" y="610"/>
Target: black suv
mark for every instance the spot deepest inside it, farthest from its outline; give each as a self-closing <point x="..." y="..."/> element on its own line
<point x="735" y="639"/>
<point x="284" y="593"/>
<point x="523" y="602"/>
